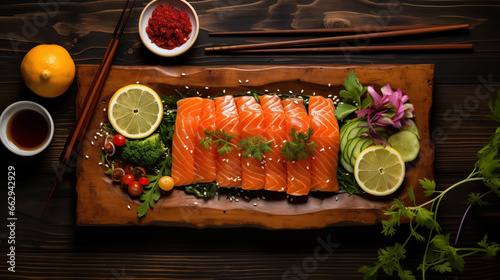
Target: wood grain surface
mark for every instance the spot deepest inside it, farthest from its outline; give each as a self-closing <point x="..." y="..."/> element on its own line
<point x="55" y="248"/>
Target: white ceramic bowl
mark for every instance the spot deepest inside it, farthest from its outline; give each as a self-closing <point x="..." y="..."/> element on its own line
<point x="180" y="5"/>
<point x="9" y="112"/>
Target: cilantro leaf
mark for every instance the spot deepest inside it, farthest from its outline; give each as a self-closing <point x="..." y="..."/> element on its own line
<point x="429" y="186"/>
<point x="426" y="218"/>
<point x="476" y="198"/>
<point x="352" y="94"/>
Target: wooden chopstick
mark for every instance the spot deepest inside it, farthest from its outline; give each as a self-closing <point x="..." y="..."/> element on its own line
<point x="340" y="38"/>
<point x="365" y="29"/>
<point x="78" y="130"/>
<point x="357" y="49"/>
<point x="94" y="81"/>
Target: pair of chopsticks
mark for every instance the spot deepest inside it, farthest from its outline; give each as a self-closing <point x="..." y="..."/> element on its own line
<point x="79" y="128"/>
<point x="382" y="32"/>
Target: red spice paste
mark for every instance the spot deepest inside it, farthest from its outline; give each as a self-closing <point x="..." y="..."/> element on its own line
<point x="168" y="27"/>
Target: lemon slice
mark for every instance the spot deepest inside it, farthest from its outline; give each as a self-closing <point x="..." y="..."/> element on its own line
<point x="135" y="111"/>
<point x="379" y="171"/>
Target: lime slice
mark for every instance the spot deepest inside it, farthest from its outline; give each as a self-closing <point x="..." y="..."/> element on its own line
<point x="379" y="170"/>
<point x="406" y="143"/>
<point x="135" y="111"/>
<point x="412" y="128"/>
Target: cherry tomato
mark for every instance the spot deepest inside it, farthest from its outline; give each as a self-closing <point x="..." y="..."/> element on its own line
<point x="117" y="174"/>
<point x="120" y="163"/>
<point x="135" y="189"/>
<point x="129" y="169"/>
<point x="119" y="140"/>
<point x="109" y="147"/>
<point x="143" y="181"/>
<point x="128" y="178"/>
<point x="166" y="183"/>
<point x="139" y="172"/>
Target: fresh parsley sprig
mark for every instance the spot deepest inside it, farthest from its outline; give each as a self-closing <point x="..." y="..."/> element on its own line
<point x="439" y="254"/>
<point x="300" y="147"/>
<point x="255" y="147"/>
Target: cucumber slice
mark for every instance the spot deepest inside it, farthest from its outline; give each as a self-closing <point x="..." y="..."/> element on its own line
<point x="346" y="165"/>
<point x="412" y="128"/>
<point x="406" y="143"/>
<point x="358" y="148"/>
<point x="349" y="148"/>
<point x="345" y="151"/>
<point x="347" y="131"/>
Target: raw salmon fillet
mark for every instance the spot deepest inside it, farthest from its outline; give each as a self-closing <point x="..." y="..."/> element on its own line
<point x="324" y="162"/>
<point x="183" y="142"/>
<point x="251" y="125"/>
<point x="227" y="119"/>
<point x="274" y="129"/>
<point x="298" y="172"/>
<point x="205" y="168"/>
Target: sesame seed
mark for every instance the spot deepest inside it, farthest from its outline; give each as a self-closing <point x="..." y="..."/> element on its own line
<point x="290" y="91"/>
<point x="183" y="74"/>
<point x="239" y="81"/>
<point x="95" y="137"/>
<point x="187" y="87"/>
<point x="196" y="203"/>
<point x="266" y="91"/>
<point x="223" y="91"/>
<point x="336" y="198"/>
<point x="314" y="93"/>
<point x="92" y="143"/>
<point x="104" y="110"/>
<point x="293" y="179"/>
<point x="206" y="87"/>
<point x="329" y="95"/>
<point x="329" y="85"/>
<point x="246" y="81"/>
<point x="236" y="200"/>
<point x="301" y="91"/>
<point x="100" y="163"/>
<point x="255" y="204"/>
<point x="87" y="156"/>
<point x="128" y="207"/>
<point x="187" y="137"/>
<point x="322" y="150"/>
<point x="328" y="181"/>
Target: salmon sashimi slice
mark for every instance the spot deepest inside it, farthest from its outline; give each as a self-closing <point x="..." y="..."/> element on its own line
<point x="205" y="168"/>
<point x="324" y="162"/>
<point x="298" y="171"/>
<point x="251" y="125"/>
<point x="183" y="142"/>
<point x="228" y="165"/>
<point x="275" y="130"/>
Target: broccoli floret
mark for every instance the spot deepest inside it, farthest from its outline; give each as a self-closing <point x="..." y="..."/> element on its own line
<point x="145" y="152"/>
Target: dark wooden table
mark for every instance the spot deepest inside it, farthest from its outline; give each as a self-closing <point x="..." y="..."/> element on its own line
<point x="55" y="248"/>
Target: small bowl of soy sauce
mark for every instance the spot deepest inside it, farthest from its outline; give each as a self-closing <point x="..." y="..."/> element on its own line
<point x="26" y="128"/>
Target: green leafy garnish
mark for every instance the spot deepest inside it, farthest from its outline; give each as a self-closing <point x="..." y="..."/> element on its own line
<point x="152" y="191"/>
<point x="205" y="191"/>
<point x="352" y="97"/>
<point x="221" y="141"/>
<point x="255" y="147"/>
<point x="300" y="147"/>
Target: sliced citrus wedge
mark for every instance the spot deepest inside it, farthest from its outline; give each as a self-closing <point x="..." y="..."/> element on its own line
<point x="379" y="170"/>
<point x="135" y="111"/>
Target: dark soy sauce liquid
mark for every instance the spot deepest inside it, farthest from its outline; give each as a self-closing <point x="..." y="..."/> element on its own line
<point x="28" y="129"/>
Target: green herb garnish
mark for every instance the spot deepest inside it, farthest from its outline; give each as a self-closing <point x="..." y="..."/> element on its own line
<point x="152" y="191"/>
<point x="300" y="147"/>
<point x="255" y="146"/>
<point x="352" y="97"/>
<point x="439" y="255"/>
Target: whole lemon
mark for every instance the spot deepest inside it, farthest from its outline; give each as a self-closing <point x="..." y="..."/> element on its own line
<point x="48" y="70"/>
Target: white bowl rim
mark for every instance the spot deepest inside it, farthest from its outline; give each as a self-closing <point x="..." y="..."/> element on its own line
<point x="9" y="112"/>
<point x="176" y="51"/>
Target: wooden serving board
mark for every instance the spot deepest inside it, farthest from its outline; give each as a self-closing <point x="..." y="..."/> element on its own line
<point x="102" y="202"/>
